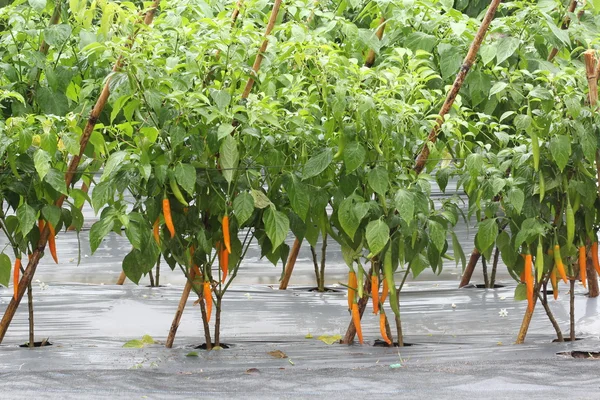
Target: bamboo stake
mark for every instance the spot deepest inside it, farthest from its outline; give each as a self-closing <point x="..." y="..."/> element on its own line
<point x="565" y="25"/>
<point x="466" y="278"/>
<point x="289" y="266"/>
<point x="371" y="56"/>
<point x="458" y="82"/>
<point x="260" y="55"/>
<point x="122" y="278"/>
<point x="182" y="302"/>
<point x="69" y="174"/>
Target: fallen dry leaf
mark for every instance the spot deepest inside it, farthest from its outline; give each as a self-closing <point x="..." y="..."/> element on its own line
<point x="277" y="354"/>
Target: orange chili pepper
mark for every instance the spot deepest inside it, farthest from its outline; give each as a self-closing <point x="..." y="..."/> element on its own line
<point x="560" y="267"/>
<point x="156" y="231"/>
<point x="375" y="293"/>
<point x="224" y="263"/>
<point x="384" y="291"/>
<point x="166" y="206"/>
<point x="52" y="242"/>
<point x="553" y="280"/>
<point x="529" y="281"/>
<point x="352" y="284"/>
<point x="226" y="237"/>
<point x="356" y="321"/>
<point x="208" y="300"/>
<point x="382" y="328"/>
<point x="595" y="257"/>
<point x="582" y="266"/>
<point x="16" y="273"/>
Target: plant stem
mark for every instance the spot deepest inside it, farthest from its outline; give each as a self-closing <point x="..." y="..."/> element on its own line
<point x="527" y="318"/>
<point x="486" y="280"/>
<point x="323" y="256"/>
<point x="494" y="267"/>
<point x="316" y="265"/>
<point x="30" y="307"/>
<point x="572" y="309"/>
<point x="158" y="271"/>
<point x="458" y="82"/>
<point x="544" y="302"/>
<point x="151" y="278"/>
<point x="218" y="320"/>
<point x="289" y="266"/>
<point x="466" y="278"/>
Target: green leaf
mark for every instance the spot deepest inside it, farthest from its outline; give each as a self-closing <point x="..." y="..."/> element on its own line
<point x="516" y="197"/>
<point x="229" y="157"/>
<point x="487" y="231"/>
<point x="52" y="214"/>
<point x="450" y="60"/>
<point x="420" y="41"/>
<point x="57" y="35"/>
<point x="531" y="229"/>
<point x="459" y="254"/>
<point x="560" y="148"/>
<point x="192" y="354"/>
<point x="147" y="339"/>
<point x="354" y="156"/>
<point x="405" y="204"/>
<point x="57" y="180"/>
<point x="437" y="234"/>
<point x="277" y="226"/>
<point x="378" y="180"/>
<point x="221" y="98"/>
<point x="37" y="5"/>
<point x="298" y="195"/>
<point x="418" y="264"/>
<point x="260" y="199"/>
<point x="52" y="102"/>
<point x="76" y="218"/>
<point x="185" y="174"/>
<point x="317" y="164"/>
<point x="99" y="230"/>
<point x="102" y="194"/>
<point x="521" y="292"/>
<point x="114" y="162"/>
<point x="243" y="207"/>
<point x="498" y="88"/>
<point x="26" y="215"/>
<point x="506" y="47"/>
<point x="330" y="339"/>
<point x="136" y="265"/>
<point x="5" y="269"/>
<point x="348" y="219"/>
<point x="134" y="344"/>
<point x="488" y="53"/>
<point x="42" y="160"/>
<point x="377" y="234"/>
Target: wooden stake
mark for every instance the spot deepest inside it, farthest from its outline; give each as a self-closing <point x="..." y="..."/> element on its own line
<point x="371" y="56"/>
<point x="69" y="174"/>
<point x="592" y="276"/>
<point x="564" y="26"/>
<point x="458" y="82"/>
<point x="122" y="278"/>
<point x="289" y="266"/>
<point x="468" y="274"/>
<point x="182" y="302"/>
<point x="263" y="48"/>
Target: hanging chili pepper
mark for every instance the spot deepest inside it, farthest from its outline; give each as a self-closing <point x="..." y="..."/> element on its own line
<point x="52" y="242"/>
<point x="375" y="293"/>
<point x="384" y="291"/>
<point x="539" y="261"/>
<point x="16" y="273"/>
<point x="356" y="321"/>
<point x="570" y="222"/>
<point x="224" y="263"/>
<point x="166" y="206"/>
<point x="382" y="328"/>
<point x="560" y="267"/>
<point x="582" y="266"/>
<point x="226" y="238"/>
<point x="207" y="300"/>
<point x="529" y="281"/>
<point x="554" y="282"/>
<point x="352" y="282"/>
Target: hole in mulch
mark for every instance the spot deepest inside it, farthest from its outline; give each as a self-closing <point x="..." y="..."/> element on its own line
<point x="549" y="292"/>
<point x="381" y="343"/>
<point x="567" y="339"/>
<point x="482" y="286"/>
<point x="327" y="290"/>
<point x="203" y="346"/>
<point x="153" y="287"/>
<point x="43" y="343"/>
<point x="595" y="355"/>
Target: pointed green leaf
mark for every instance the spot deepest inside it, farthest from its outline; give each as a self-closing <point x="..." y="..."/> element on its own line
<point x="377" y="234"/>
